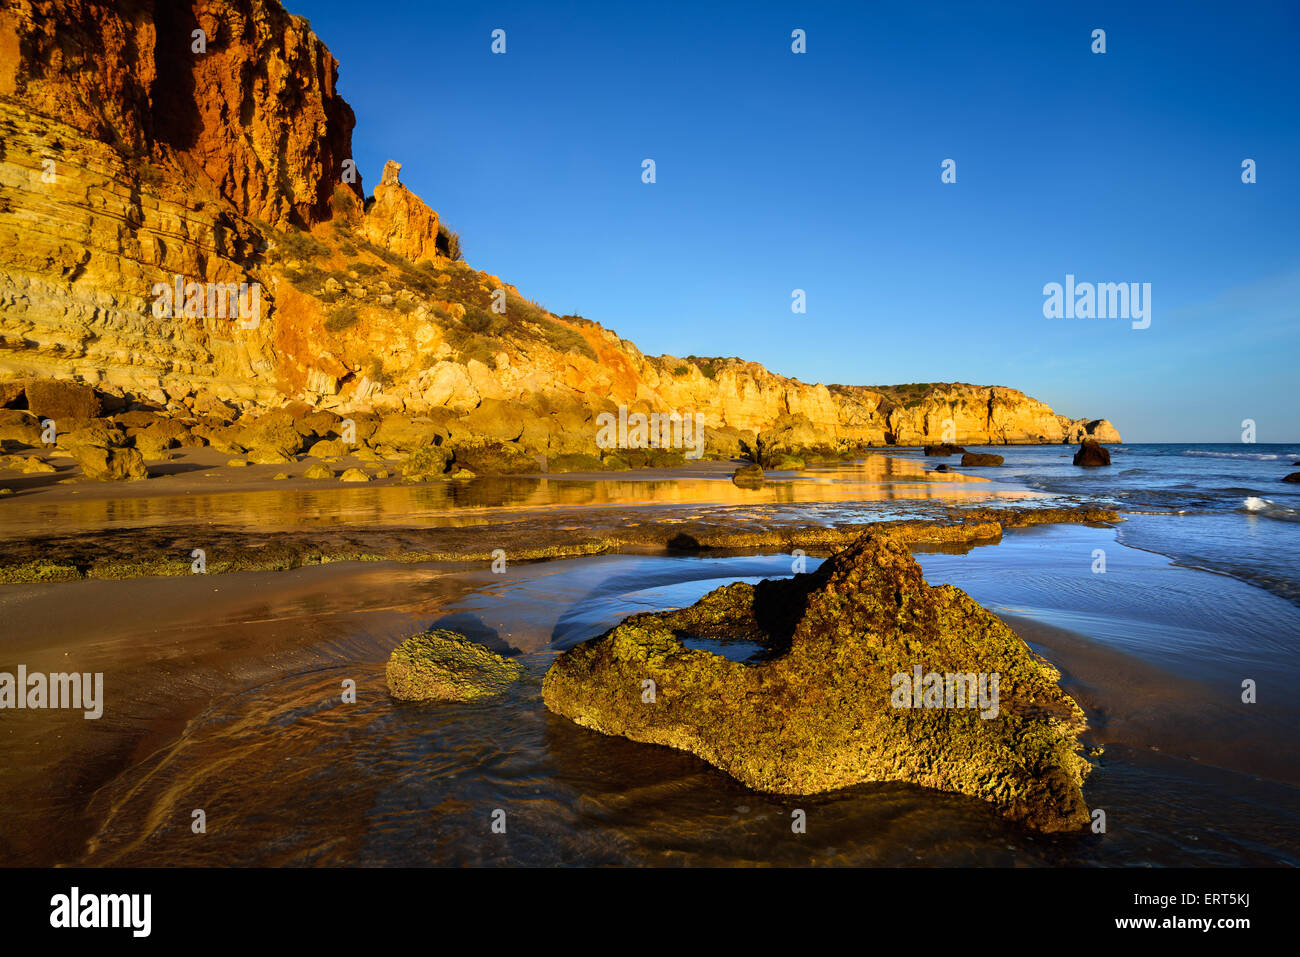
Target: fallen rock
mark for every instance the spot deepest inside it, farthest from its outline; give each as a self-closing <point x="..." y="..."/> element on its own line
<point x="318" y="472"/>
<point x="274" y="432"/>
<point x="269" y="457"/>
<point x="494" y="421"/>
<point x="426" y="464"/>
<point x="446" y="666"/>
<point x="748" y="476"/>
<point x="61" y="399"/>
<point x="21" y="428"/>
<point x="320" y="424"/>
<point x="354" y="475"/>
<point x="328" y="449"/>
<point x="399" y="432"/>
<point x="110" y="465"/>
<point x="980" y="459"/>
<point x="1091" y="453"/>
<point x="828" y="702"/>
<point x="496" y="458"/>
<point x="74" y="433"/>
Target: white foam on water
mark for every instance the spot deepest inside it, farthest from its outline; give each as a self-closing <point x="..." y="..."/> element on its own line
<point x="1253" y="456"/>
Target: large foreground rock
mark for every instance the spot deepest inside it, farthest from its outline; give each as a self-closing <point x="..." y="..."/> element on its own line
<point x="446" y="666"/>
<point x="821" y="707"/>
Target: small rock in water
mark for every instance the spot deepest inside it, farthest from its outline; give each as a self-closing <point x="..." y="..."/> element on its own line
<point x="444" y="665"/>
<point x="748" y="476"/>
<point x="980" y="459"/>
<point x="1091" y="454"/>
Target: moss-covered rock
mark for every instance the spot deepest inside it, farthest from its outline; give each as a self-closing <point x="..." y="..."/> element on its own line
<point x="446" y="666"/>
<point x="818" y="708"/>
<point x="748" y="476"/>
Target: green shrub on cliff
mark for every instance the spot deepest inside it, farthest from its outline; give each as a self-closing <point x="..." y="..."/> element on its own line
<point x="341" y="318"/>
<point x="296" y="244"/>
<point x="448" y="243"/>
<point x="565" y="339"/>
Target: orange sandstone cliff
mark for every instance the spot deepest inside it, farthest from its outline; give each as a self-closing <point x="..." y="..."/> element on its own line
<point x="204" y="139"/>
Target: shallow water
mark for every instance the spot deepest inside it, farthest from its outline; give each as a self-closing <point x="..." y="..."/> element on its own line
<point x="288" y="774"/>
<point x="185" y="500"/>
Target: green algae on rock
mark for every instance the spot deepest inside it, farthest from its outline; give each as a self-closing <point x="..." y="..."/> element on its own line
<point x="815" y="711"/>
<point x="443" y="665"/>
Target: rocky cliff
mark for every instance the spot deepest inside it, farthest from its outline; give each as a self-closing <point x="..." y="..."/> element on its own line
<point x="180" y="225"/>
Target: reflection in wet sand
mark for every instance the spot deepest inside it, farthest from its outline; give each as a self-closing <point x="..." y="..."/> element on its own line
<point x="461" y="503"/>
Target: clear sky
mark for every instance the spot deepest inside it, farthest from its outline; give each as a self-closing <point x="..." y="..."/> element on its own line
<point x="821" y="171"/>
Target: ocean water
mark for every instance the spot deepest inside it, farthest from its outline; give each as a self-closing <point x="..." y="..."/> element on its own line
<point x="1220" y="507"/>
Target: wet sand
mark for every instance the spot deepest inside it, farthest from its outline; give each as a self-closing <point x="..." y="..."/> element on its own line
<point x="223" y="693"/>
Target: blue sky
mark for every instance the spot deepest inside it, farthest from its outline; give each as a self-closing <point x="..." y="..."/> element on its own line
<point x="821" y="171"/>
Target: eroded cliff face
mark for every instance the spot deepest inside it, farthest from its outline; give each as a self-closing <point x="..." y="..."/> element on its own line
<point x="239" y="89"/>
<point x="128" y="160"/>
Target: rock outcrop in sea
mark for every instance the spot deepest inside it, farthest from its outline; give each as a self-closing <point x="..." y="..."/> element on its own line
<point x="133" y="162"/>
<point x="860" y="670"/>
<point x="1092" y="454"/>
